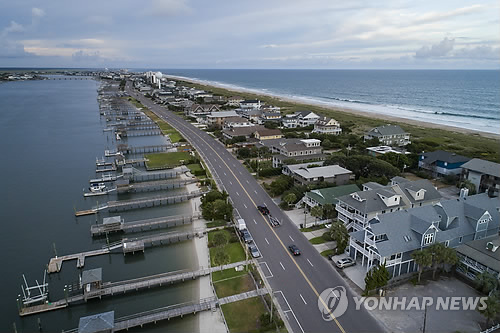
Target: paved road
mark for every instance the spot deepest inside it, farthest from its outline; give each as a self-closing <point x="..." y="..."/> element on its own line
<point x="296" y="281"/>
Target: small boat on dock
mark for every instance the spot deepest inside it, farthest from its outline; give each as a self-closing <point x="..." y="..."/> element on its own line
<point x="98" y="189"/>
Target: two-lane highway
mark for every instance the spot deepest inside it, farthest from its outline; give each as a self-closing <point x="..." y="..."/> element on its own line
<point x="297" y="281"/>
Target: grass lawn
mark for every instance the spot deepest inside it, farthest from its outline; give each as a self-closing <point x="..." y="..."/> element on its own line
<point x="166" y="160"/>
<point x="244" y="316"/>
<point x="227" y="274"/>
<point x="234" y="250"/>
<point x="211" y="234"/>
<point x="326" y="253"/>
<point x="234" y="286"/>
<point x="317" y="240"/>
<point x="194" y="167"/>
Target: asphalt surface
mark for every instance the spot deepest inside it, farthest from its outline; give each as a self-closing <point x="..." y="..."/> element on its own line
<point x="297" y="281"/>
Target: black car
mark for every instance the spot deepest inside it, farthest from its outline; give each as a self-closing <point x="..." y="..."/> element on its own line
<point x="263" y="209"/>
<point x="294" y="249"/>
<point x="245" y="235"/>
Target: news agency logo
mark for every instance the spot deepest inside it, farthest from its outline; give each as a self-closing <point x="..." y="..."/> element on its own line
<point x="333" y="302"/>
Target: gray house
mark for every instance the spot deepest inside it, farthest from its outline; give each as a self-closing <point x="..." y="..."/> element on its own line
<point x="356" y="209"/>
<point x="485" y="175"/>
<point x="392" y="237"/>
<point x="305" y="175"/>
<point x="389" y="135"/>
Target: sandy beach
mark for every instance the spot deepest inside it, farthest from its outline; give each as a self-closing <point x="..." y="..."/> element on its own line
<point x="357" y="112"/>
<point x="208" y="321"/>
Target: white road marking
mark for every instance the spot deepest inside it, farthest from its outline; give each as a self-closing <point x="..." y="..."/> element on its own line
<point x="310" y="263"/>
<point x="266" y="241"/>
<point x="245" y="206"/>
<point x="237" y="194"/>
<point x="255" y="192"/>
<point x="248" y="182"/>
<point x="230" y="183"/>
<point x="282" y="266"/>
<point x="225" y="174"/>
<point x="303" y="300"/>
<point x="254" y="221"/>
<point x="271" y="273"/>
<point x="291" y="238"/>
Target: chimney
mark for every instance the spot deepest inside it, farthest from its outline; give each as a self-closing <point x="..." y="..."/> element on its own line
<point x="464" y="192"/>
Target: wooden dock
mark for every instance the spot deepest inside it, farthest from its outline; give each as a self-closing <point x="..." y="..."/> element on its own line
<point x="123" y="205"/>
<point x="159" y="185"/>
<point x="143" y="149"/>
<point x="55" y="263"/>
<point x="140" y="225"/>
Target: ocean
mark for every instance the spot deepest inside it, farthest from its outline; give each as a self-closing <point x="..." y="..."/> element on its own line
<point x="51" y="135"/>
<point x="461" y="98"/>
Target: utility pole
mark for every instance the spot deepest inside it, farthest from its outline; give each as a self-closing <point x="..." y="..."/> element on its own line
<point x="425" y="317"/>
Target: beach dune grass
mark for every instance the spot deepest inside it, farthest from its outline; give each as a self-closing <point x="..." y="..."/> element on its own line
<point x="244" y="316"/>
<point x="457" y="141"/>
<point x="166" y="160"/>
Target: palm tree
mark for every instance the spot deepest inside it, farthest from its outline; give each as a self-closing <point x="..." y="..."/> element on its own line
<point x="317" y="212"/>
<point x="290" y="198"/>
<point x="423" y="258"/>
<point x="492" y="309"/>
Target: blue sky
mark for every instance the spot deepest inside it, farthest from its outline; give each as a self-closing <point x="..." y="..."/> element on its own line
<point x="250" y="34"/>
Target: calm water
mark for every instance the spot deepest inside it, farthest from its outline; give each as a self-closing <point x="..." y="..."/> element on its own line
<point x="461" y="98"/>
<point x="51" y="134"/>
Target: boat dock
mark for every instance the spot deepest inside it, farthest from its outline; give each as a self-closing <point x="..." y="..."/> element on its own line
<point x="136" y="175"/>
<point x="178" y="310"/>
<point x="138" y="226"/>
<point x="117" y="206"/>
<point x="132" y="133"/>
<point x="125" y="286"/>
<point x="158" y="185"/>
<point x="105" y="178"/>
<point x="55" y="263"/>
<point x="138" y="244"/>
<point x="143" y="149"/>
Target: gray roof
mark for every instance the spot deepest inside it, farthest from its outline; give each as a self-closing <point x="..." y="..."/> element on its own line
<point x="477" y="251"/>
<point x="97" y="323"/>
<point x="386" y="130"/>
<point x="444" y="156"/>
<point x="316" y="172"/>
<point x="92" y="275"/>
<point x="404" y="229"/>
<point x="431" y="193"/>
<point x="241" y="131"/>
<point x="280" y="157"/>
<point x="483" y="166"/>
<point x="371" y="201"/>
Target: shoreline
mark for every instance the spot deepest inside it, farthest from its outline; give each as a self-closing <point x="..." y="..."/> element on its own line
<point x="357" y="112"/>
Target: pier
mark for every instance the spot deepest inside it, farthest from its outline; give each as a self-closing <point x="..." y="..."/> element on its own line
<point x="116" y="224"/>
<point x="117" y="206"/>
<point x="55" y="263"/>
<point x="177" y="310"/>
<point x="136" y="175"/>
<point x="133" y="133"/>
<point x="142" y="149"/>
<point x="158" y="185"/>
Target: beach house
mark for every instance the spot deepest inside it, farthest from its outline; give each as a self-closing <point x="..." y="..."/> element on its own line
<point x="216" y="119"/>
<point x="308" y="173"/>
<point x="267" y="134"/>
<point x="485" y="175"/>
<point x="479" y="256"/>
<point x="441" y="163"/>
<point x="391" y="238"/>
<point x="326" y="196"/>
<point x="389" y="135"/>
<point x="356" y="209"/>
<point x="326" y="125"/>
<point x="296" y="150"/>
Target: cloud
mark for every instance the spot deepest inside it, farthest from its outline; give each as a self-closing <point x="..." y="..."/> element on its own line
<point x="478" y="52"/>
<point x="13" y="28"/>
<point x="86" y="57"/>
<point x="436" y="50"/>
<point x="438" y="16"/>
<point x="99" y="19"/>
<point x="37" y="12"/>
<point x="169" y="7"/>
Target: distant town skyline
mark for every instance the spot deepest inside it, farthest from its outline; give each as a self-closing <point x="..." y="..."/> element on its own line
<point x="311" y="34"/>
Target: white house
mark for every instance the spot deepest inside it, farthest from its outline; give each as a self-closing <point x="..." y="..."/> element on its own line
<point x="327" y="125"/>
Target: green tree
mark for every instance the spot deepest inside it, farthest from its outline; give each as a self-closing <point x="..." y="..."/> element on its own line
<point x="439" y="254"/>
<point x="492" y="309"/>
<point x="329" y="211"/>
<point x="290" y="198"/>
<point x="220" y="239"/>
<point x="243" y="153"/>
<point x="317" y="212"/>
<point x="397" y="160"/>
<point x="467" y="184"/>
<point x="340" y="235"/>
<point x="486" y="282"/>
<point x="221" y="257"/>
<point x="377" y="277"/>
<point x="423" y="258"/>
<point x="280" y="185"/>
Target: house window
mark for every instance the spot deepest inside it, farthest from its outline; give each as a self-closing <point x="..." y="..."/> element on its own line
<point x="447" y="243"/>
<point x="460" y="239"/>
<point x="428" y="239"/>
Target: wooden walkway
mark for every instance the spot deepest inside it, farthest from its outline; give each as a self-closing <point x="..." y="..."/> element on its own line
<point x="140" y="225"/>
<point x="55" y="263"/>
<point x="121" y="287"/>
<point x="122" y="205"/>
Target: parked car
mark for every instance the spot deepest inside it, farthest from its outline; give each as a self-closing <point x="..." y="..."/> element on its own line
<point x="294" y="249"/>
<point x="254" y="251"/>
<point x="345" y="262"/>
<point x="263" y="209"/>
<point x="245" y="235"/>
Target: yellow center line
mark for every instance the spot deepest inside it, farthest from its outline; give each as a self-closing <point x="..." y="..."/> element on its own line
<point x="274" y="232"/>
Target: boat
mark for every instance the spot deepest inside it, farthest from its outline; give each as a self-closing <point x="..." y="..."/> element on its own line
<point x="97" y="187"/>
